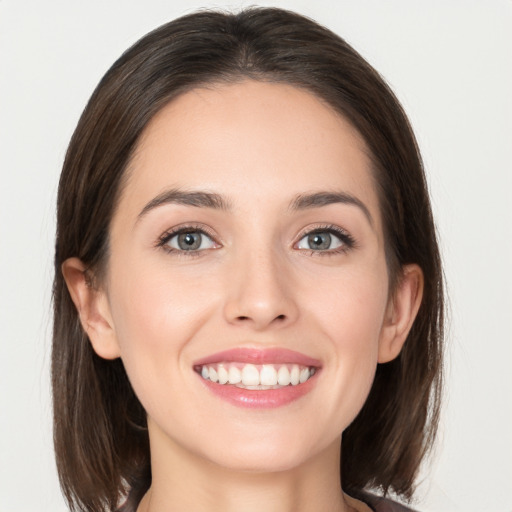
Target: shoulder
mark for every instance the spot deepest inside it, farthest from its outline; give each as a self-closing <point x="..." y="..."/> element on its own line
<point x="379" y="504"/>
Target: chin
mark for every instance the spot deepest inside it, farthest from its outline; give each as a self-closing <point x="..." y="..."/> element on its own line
<point x="266" y="461"/>
<point x="265" y="454"/>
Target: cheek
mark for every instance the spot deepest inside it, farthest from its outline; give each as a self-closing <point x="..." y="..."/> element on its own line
<point x="351" y="317"/>
<point x="351" y="307"/>
<point x="153" y="307"/>
<point x="155" y="316"/>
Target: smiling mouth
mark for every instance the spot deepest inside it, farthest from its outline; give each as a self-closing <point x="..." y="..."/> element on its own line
<point x="256" y="376"/>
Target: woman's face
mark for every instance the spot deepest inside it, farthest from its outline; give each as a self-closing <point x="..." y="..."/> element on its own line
<point x="248" y="244"/>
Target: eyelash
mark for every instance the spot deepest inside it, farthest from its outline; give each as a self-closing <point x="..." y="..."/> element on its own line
<point x="164" y="239"/>
<point x="348" y="242"/>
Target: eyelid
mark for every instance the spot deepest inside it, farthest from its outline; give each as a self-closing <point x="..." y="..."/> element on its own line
<point x="167" y="235"/>
<point x="346" y="238"/>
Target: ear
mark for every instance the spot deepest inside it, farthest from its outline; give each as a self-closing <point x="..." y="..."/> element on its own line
<point x="402" y="309"/>
<point x="93" y="309"/>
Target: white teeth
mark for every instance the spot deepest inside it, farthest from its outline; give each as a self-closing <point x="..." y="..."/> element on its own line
<point x="268" y="375"/>
<point x="304" y="375"/>
<point x="283" y="376"/>
<point x="212" y="373"/>
<point x="295" y="375"/>
<point x="250" y="375"/>
<point x="223" y="375"/>
<point x="235" y="375"/>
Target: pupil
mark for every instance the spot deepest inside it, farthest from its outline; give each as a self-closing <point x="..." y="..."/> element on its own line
<point x="188" y="241"/>
<point x="320" y="241"/>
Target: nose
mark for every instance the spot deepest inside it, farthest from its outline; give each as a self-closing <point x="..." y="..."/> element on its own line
<point x="260" y="292"/>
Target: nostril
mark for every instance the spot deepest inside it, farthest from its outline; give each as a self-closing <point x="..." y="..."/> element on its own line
<point x="245" y="318"/>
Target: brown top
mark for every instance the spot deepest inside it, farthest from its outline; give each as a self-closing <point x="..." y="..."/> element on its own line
<point x="379" y="504"/>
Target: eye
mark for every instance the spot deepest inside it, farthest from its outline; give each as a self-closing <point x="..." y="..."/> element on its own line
<point x="326" y="240"/>
<point x="188" y="240"/>
<point x="319" y="241"/>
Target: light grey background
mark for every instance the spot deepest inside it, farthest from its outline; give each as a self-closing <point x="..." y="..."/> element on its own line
<point x="450" y="64"/>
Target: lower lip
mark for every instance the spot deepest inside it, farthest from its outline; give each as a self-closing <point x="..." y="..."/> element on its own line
<point x="260" y="398"/>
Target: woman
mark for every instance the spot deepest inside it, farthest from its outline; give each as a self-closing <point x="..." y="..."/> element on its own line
<point x="248" y="293"/>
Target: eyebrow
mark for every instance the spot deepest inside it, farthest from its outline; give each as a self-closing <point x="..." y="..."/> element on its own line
<point x="319" y="199"/>
<point x="198" y="199"/>
<point x="203" y="199"/>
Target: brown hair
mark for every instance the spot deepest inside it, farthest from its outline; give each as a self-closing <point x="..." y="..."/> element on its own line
<point x="101" y="442"/>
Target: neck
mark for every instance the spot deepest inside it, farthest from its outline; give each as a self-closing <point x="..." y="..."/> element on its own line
<point x="185" y="481"/>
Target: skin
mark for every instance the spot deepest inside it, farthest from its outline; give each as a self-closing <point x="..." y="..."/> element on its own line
<point x="256" y="284"/>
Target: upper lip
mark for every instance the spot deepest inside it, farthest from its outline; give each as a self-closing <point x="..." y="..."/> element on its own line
<point x="259" y="356"/>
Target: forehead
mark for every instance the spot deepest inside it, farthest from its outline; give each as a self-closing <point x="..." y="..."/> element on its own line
<point x="250" y="138"/>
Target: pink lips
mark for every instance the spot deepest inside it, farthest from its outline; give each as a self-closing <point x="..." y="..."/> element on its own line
<point x="260" y="399"/>
<point x="259" y="356"/>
